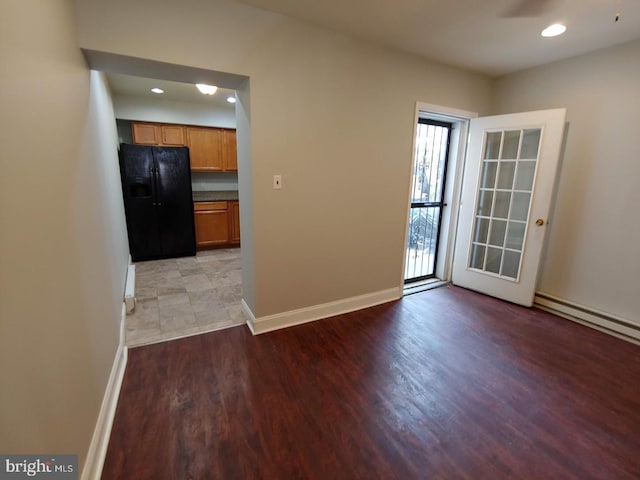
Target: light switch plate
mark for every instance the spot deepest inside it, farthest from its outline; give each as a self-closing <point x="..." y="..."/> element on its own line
<point x="277" y="182"/>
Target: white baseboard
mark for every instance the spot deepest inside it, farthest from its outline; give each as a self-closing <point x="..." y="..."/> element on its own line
<point x="100" y="440"/>
<point x="130" y="289"/>
<point x="299" y="316"/>
<point x="251" y="319"/>
<point x="123" y="326"/>
<point x="605" y="322"/>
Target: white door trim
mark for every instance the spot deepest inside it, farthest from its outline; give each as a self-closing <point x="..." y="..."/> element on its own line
<point x="457" y="153"/>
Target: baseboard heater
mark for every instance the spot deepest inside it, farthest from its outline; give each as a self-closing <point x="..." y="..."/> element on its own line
<point x="130" y="289"/>
<point x="605" y="322"/>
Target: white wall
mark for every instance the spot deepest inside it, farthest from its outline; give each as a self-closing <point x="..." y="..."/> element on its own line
<point x="332" y="114"/>
<point x="214" y="181"/>
<point x="130" y="107"/>
<point x="592" y="257"/>
<point x="63" y="246"/>
<point x="245" y="174"/>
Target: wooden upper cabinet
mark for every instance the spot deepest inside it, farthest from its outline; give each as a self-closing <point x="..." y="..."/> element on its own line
<point x="173" y="135"/>
<point x="205" y="146"/>
<point x="229" y="151"/>
<point x="210" y="149"/>
<point x="146" y="133"/>
<point x="158" y="134"/>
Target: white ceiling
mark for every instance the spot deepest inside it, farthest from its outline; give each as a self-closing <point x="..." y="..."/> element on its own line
<point x="473" y="34"/>
<point x="173" y="91"/>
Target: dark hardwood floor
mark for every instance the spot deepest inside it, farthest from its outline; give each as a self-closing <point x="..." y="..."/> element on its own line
<point x="444" y="384"/>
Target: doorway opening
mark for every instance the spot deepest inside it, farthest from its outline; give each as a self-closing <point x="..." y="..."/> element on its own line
<point x="190" y="295"/>
<point x="440" y="139"/>
<point x="432" y="144"/>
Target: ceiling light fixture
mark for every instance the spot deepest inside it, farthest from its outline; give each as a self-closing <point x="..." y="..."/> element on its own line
<point x="231" y="99"/>
<point x="206" y="89"/>
<point x="157" y="90"/>
<point x="553" y="30"/>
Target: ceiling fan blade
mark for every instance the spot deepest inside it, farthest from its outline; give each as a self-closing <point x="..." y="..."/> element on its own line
<point x="528" y="8"/>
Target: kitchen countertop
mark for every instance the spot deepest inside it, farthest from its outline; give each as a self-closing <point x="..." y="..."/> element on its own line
<point x="214" y="196"/>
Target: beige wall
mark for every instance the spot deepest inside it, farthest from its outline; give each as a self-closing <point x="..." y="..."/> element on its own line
<point x="63" y="248"/>
<point x="592" y="255"/>
<point x="333" y="115"/>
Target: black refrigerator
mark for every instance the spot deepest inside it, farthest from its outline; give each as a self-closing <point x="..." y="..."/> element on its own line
<point x="156" y="185"/>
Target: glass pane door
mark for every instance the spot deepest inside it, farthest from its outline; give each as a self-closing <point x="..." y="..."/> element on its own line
<point x="504" y="197"/>
<point x="509" y="177"/>
<point x="427" y="196"/>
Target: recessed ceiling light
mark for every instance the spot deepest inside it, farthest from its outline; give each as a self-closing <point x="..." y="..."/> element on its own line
<point x="206" y="89"/>
<point x="231" y="99"/>
<point x="157" y="90"/>
<point x="554" y="30"/>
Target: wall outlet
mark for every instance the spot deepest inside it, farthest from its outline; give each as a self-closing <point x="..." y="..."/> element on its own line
<point x="277" y="182"/>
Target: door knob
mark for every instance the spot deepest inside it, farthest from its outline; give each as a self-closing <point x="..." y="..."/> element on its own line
<point x="540" y="222"/>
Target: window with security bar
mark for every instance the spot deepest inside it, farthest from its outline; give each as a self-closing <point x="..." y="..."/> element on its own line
<point x="427" y="198"/>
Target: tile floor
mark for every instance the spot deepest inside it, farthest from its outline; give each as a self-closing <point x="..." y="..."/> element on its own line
<point x="178" y="297"/>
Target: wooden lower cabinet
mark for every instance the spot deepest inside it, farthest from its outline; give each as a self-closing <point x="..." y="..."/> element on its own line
<point x="212" y="224"/>
<point x="234" y="222"/>
<point x="217" y="223"/>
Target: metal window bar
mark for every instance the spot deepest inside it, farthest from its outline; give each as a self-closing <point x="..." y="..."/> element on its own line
<point x="427" y="198"/>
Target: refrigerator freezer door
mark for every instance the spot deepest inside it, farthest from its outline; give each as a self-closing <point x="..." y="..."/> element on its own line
<point x="175" y="202"/>
<point x="137" y="171"/>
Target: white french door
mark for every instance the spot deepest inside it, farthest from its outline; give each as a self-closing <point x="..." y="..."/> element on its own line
<point x="508" y="185"/>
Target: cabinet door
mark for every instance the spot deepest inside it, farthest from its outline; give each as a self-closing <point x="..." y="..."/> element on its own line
<point x="234" y="222"/>
<point x="229" y="151"/>
<point x="212" y="224"/>
<point x="146" y="133"/>
<point x="204" y="148"/>
<point x="173" y="135"/>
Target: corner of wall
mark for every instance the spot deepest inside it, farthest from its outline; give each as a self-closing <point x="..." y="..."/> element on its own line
<point x="245" y="192"/>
